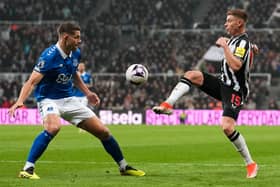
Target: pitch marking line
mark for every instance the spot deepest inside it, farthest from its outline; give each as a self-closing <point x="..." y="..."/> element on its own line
<point x="150" y="163"/>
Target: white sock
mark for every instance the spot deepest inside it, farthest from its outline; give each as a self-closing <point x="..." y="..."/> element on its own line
<point x="28" y="165"/>
<point x="242" y="148"/>
<point x="178" y="91"/>
<point x="122" y="164"/>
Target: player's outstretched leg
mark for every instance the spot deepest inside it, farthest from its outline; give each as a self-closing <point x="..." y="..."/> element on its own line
<point x="112" y="147"/>
<point x="94" y="126"/>
<point x="182" y="87"/>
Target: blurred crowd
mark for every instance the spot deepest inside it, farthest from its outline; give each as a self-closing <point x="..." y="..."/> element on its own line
<point x="34" y="10"/>
<point x="108" y="48"/>
<point x="157" y="13"/>
<point x="259" y="12"/>
<point x="147" y="95"/>
<point x="116" y="93"/>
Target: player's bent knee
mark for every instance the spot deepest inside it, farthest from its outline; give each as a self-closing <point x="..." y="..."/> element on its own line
<point x="52" y="124"/>
<point x="227" y="125"/>
<point x="104" y="134"/>
<point x="53" y="129"/>
<point x="196" y="77"/>
<point x="227" y="129"/>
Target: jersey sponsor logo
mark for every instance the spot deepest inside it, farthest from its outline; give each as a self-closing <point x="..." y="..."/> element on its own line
<point x="63" y="78"/>
<point x="240" y="52"/>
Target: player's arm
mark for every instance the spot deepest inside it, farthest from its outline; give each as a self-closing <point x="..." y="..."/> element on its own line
<point x="26" y="90"/>
<point x="233" y="62"/>
<point x="92" y="97"/>
<point x="89" y="85"/>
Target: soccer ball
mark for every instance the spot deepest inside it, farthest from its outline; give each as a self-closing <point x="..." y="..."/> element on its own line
<point x="137" y="74"/>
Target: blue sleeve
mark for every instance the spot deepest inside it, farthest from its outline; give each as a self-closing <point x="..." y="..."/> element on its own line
<point x="44" y="62"/>
<point x="42" y="65"/>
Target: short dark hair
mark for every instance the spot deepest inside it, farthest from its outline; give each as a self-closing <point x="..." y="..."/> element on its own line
<point x="238" y="13"/>
<point x="68" y="27"/>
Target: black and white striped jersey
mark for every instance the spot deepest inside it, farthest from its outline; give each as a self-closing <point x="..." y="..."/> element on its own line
<point x="241" y="48"/>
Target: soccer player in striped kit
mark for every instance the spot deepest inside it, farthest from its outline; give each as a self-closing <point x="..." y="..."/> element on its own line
<point x="231" y="87"/>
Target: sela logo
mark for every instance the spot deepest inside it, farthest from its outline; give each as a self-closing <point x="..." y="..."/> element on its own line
<point x="110" y="117"/>
<point x="63" y="78"/>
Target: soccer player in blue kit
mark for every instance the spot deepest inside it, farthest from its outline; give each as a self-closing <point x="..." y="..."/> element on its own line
<point x="53" y="77"/>
<point x="87" y="79"/>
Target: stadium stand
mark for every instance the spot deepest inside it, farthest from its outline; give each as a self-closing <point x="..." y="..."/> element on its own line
<point x="32" y="10"/>
<point x="162" y="39"/>
<point x="158" y="13"/>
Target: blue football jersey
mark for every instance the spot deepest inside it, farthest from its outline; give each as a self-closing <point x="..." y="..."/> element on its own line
<point x="58" y="70"/>
<point x="86" y="77"/>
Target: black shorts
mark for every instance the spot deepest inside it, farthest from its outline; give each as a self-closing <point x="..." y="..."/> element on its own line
<point x="231" y="100"/>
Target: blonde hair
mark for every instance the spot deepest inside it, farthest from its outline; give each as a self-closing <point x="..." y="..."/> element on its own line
<point x="238" y="13"/>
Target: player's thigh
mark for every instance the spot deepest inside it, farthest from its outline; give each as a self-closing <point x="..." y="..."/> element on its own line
<point x="74" y="111"/>
<point x="50" y="115"/>
<point x="211" y="86"/>
<point x="80" y="115"/>
<point x="232" y="102"/>
<point x="95" y="127"/>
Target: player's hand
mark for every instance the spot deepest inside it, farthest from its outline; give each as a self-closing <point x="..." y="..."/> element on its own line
<point x="222" y="42"/>
<point x="226" y="38"/>
<point x="255" y="49"/>
<point x="93" y="99"/>
<point x="13" y="108"/>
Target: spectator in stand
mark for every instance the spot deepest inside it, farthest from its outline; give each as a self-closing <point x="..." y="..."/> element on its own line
<point x="273" y="104"/>
<point x="6" y="103"/>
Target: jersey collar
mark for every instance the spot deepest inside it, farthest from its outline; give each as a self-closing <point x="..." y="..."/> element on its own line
<point x="241" y="35"/>
<point x="62" y="53"/>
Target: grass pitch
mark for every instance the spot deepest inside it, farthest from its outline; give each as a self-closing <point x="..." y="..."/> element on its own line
<point x="171" y="156"/>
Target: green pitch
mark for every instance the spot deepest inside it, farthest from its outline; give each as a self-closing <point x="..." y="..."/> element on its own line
<point x="172" y="156"/>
